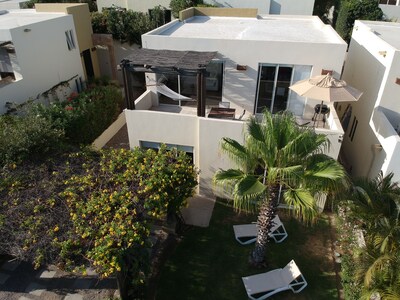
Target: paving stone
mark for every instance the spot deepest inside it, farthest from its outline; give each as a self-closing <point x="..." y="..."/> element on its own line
<point x="82" y="284"/>
<point x="3" y="278"/>
<point x="10" y="265"/>
<point x="35" y="289"/>
<point x="47" y="274"/>
<point x="51" y="296"/>
<point x="73" y="297"/>
<point x="91" y="272"/>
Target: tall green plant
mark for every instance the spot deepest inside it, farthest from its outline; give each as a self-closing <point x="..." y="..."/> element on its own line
<point x="278" y="157"/>
<point x="178" y="5"/>
<point x="376" y="205"/>
<point x="351" y="10"/>
<point x="124" y="25"/>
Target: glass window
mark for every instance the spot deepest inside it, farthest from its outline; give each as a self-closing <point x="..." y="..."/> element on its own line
<point x="69" y="35"/>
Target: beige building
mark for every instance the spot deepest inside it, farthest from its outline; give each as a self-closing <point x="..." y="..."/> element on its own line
<point x="83" y="27"/>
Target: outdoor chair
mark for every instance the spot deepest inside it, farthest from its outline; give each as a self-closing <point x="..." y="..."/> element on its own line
<point x="247" y="233"/>
<point x="264" y="285"/>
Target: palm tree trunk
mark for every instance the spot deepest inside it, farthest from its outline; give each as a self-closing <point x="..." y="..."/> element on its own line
<point x="267" y="213"/>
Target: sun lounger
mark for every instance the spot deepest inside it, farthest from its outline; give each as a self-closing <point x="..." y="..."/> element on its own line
<point x="264" y="285"/>
<point x="247" y="233"/>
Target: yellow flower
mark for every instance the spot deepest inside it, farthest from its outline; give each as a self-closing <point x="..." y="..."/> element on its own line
<point x="56" y="228"/>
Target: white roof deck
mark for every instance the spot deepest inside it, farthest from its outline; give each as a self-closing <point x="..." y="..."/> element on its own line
<point x="387" y="31"/>
<point x="21" y="17"/>
<point x="265" y="28"/>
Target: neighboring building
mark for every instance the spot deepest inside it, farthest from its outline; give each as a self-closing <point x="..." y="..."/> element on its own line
<point x="256" y="60"/>
<point x="275" y="7"/>
<point x="391" y="9"/>
<point x="83" y="30"/>
<point x="372" y="143"/>
<point x="38" y="52"/>
<point x="12" y="4"/>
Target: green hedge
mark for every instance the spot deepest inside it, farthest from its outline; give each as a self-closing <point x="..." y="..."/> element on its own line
<point x="85" y="116"/>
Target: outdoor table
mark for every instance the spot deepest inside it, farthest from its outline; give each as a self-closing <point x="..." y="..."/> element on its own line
<point x="222" y="113"/>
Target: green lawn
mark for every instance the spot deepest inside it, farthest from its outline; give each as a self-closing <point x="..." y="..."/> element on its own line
<point x="208" y="263"/>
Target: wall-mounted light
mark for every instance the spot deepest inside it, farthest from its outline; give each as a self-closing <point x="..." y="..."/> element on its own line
<point x="241" y="67"/>
<point x="27" y="29"/>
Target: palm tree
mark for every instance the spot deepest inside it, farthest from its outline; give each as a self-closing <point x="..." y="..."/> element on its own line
<point x="376" y="205"/>
<point x="278" y="158"/>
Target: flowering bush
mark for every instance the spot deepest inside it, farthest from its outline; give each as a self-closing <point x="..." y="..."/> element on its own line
<point x="93" y="208"/>
<point x="29" y="136"/>
<point x="85" y="116"/>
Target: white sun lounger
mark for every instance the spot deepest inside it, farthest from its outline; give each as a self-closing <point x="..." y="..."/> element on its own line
<point x="247" y="233"/>
<point x="262" y="286"/>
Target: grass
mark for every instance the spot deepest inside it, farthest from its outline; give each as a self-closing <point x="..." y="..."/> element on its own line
<point x="208" y="263"/>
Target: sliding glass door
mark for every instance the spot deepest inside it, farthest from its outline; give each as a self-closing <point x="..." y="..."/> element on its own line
<point x="273" y="87"/>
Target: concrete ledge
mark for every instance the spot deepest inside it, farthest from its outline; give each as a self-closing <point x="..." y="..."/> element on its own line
<point x="218" y="12"/>
<point x="102" y="140"/>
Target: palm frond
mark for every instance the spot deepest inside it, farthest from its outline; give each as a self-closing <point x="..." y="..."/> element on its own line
<point x="237" y="153"/>
<point x="302" y="202"/>
<point x="249" y="188"/>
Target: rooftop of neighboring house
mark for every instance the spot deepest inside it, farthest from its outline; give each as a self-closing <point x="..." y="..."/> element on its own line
<point x="10" y="4"/>
<point x="266" y="28"/>
<point x="21" y="17"/>
<point x="387" y="31"/>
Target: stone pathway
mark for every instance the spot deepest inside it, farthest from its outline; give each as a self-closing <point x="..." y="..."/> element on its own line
<point x="199" y="211"/>
<point x="19" y="281"/>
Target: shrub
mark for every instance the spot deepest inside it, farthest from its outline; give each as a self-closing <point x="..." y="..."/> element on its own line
<point x="124" y="25"/>
<point x="351" y="10"/>
<point x="29" y="136"/>
<point x="178" y="5"/>
<point x="85" y="116"/>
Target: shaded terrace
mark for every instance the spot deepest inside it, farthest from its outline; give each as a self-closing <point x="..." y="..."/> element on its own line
<point x="168" y="62"/>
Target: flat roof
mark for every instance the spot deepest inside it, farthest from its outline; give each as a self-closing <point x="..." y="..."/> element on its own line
<point x="263" y="28"/>
<point x="387" y="31"/>
<point x="14" y="18"/>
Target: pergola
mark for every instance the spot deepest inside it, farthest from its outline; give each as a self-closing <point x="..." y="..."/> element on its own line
<point x="188" y="63"/>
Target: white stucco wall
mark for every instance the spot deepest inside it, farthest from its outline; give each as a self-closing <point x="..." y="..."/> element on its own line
<point x="371" y="66"/>
<point x="12" y="4"/>
<point x="392" y="12"/>
<point x="290" y="7"/>
<point x="43" y="58"/>
<point x="203" y="134"/>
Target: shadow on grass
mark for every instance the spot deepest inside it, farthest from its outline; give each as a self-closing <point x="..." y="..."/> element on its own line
<point x="208" y="263"/>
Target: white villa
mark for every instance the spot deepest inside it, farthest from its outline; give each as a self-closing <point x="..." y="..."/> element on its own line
<point x="391" y="9"/>
<point x="372" y="143"/>
<point x="37" y="52"/>
<point x="253" y="62"/>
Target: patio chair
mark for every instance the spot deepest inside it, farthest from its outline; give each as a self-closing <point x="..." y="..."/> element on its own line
<point x="264" y="285"/>
<point x="247" y="233"/>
